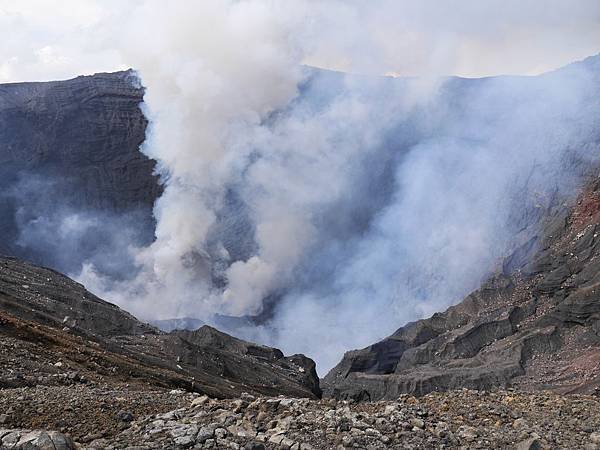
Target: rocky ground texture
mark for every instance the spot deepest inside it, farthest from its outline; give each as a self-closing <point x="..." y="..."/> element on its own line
<point x="456" y="419"/>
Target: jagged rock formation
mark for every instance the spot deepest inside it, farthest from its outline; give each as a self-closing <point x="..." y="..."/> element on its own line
<point x="45" y="317"/>
<point x="534" y="325"/>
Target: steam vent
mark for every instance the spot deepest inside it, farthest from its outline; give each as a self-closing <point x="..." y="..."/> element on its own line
<point x="259" y="225"/>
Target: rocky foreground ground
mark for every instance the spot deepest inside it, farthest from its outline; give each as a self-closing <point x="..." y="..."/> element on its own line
<point x="91" y="417"/>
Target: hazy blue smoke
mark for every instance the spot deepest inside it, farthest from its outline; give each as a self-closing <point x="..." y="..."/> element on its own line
<point x="412" y="204"/>
<point x="337" y="206"/>
<point x="367" y="202"/>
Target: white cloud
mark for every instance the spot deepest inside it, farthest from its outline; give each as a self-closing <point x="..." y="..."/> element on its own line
<point x="404" y="37"/>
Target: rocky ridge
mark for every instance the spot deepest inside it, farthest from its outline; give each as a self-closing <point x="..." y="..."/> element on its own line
<point x="535" y="324"/>
<point x="55" y="332"/>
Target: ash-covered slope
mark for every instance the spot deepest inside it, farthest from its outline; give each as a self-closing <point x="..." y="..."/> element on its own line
<point x="533" y="325"/>
<point x="45" y="317"/>
<point x="69" y="157"/>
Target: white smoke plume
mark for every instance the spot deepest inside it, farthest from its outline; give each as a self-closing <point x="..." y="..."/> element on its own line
<point x="213" y="74"/>
<point x="352" y="203"/>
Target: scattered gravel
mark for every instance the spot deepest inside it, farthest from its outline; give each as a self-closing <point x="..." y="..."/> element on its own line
<point x="179" y="420"/>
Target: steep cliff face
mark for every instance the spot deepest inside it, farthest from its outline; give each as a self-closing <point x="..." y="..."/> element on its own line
<point x="91" y="124"/>
<point x="535" y="324"/>
<point x="71" y="149"/>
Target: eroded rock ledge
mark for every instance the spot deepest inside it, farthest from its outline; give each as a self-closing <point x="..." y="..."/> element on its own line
<point x="534" y="325"/>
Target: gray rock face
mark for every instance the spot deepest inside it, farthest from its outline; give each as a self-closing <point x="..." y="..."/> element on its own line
<point x="50" y="298"/>
<point x="35" y="440"/>
<point x="69" y="152"/>
<point x="535" y="326"/>
<point x="92" y="125"/>
<point x="77" y="328"/>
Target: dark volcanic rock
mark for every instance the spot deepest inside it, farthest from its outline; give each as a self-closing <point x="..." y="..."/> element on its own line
<point x="74" y="186"/>
<point x="46" y="317"/>
<point x="534" y="325"/>
<point x="241" y="361"/>
<point x="89" y="128"/>
<point x="69" y="154"/>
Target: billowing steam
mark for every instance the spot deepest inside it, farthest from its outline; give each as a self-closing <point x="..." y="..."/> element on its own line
<point x="341" y="206"/>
